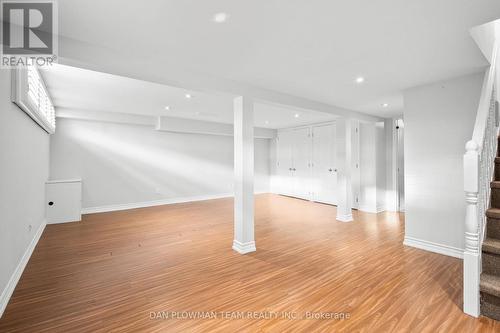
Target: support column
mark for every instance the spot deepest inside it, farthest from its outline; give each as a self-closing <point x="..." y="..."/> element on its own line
<point x="244" y="241"/>
<point x="344" y="157"/>
<point x="472" y="262"/>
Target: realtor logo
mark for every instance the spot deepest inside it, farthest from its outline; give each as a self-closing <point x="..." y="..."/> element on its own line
<point x="28" y="32"/>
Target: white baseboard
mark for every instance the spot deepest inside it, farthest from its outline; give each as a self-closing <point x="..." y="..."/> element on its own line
<point x="345" y="218"/>
<point x="434" y="247"/>
<point x="371" y="209"/>
<point x="366" y="209"/>
<point x="244" y="248"/>
<point x="64" y="220"/>
<point x="381" y="209"/>
<point x="134" y="205"/>
<point x="14" y="279"/>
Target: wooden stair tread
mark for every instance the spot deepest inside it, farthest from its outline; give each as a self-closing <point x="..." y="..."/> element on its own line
<point x="493" y="213"/>
<point x="495" y="184"/>
<point x="490" y="284"/>
<point x="497" y="159"/>
<point x="491" y="245"/>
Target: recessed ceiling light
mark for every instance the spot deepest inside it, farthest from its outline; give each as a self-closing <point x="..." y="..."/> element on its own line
<point x="188" y="96"/>
<point x="267" y="122"/>
<point x="167" y="107"/>
<point x="385" y="105"/>
<point x="220" y="17"/>
<point x="360" y="79"/>
<point x="296" y="115"/>
<point x="197" y="113"/>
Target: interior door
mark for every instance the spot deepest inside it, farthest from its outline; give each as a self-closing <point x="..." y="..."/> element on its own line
<point x="324" y="164"/>
<point x="285" y="163"/>
<point x="400" y="165"/>
<point x="355" y="164"/>
<point x="301" y="163"/>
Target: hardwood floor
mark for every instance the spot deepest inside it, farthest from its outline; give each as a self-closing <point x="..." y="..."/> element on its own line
<point x="110" y="272"/>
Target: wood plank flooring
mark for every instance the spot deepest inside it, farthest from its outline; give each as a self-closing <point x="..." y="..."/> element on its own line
<point x="110" y="272"/>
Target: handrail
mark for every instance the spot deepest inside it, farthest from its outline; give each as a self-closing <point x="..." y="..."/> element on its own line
<point x="478" y="172"/>
<point x="484" y="102"/>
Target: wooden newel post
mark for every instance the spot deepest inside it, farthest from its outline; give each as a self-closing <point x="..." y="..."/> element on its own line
<point x="471" y="253"/>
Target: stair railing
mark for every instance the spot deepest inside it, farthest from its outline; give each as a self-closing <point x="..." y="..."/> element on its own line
<point x="478" y="173"/>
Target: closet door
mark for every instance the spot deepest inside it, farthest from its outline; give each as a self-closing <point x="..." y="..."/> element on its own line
<point x="355" y="164"/>
<point x="285" y="163"/>
<point x="400" y="165"/>
<point x="301" y="153"/>
<point x="324" y="164"/>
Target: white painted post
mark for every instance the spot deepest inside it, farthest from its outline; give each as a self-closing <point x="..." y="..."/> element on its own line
<point x="344" y="185"/>
<point x="472" y="264"/>
<point x="244" y="241"/>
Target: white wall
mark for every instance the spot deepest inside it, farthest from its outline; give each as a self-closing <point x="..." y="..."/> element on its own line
<point x="439" y="119"/>
<point x="126" y="164"/>
<point x="24" y="165"/>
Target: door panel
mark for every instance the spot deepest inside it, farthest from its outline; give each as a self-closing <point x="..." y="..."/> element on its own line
<point x="301" y="162"/>
<point x="285" y="163"/>
<point x="400" y="166"/>
<point x="324" y="181"/>
<point x="355" y="170"/>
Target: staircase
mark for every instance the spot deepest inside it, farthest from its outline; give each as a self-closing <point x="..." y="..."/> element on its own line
<point x="481" y="284"/>
<point x="490" y="277"/>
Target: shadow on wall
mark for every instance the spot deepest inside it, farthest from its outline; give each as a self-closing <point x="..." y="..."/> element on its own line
<point x="127" y="164"/>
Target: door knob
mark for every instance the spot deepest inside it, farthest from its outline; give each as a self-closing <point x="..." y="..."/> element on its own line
<point x="330" y="170"/>
<point x="335" y="170"/>
<point x="294" y="169"/>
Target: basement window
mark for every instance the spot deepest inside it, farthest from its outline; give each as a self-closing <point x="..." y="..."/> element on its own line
<point x="31" y="95"/>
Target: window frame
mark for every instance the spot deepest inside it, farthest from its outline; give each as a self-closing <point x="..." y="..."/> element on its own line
<point x="20" y="97"/>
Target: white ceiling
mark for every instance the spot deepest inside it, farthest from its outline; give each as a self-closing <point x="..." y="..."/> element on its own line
<point x="79" y="89"/>
<point x="312" y="49"/>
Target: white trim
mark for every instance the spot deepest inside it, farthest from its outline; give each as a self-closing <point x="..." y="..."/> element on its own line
<point x="434" y="247"/>
<point x="316" y="124"/>
<point x="134" y="205"/>
<point x="59" y="220"/>
<point x="381" y="209"/>
<point x="366" y="208"/>
<point x="14" y="279"/>
<point x="19" y="95"/>
<point x="345" y="218"/>
<point x="161" y="123"/>
<point x="244" y="248"/>
<point x="76" y="180"/>
<point x="472" y="274"/>
<point x="369" y="209"/>
<point x="181" y="125"/>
